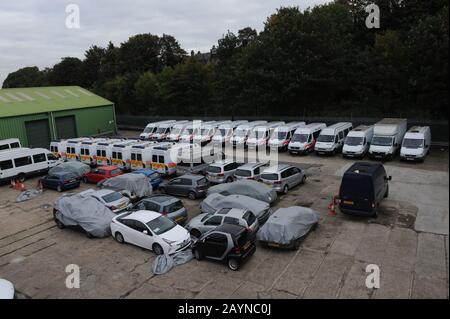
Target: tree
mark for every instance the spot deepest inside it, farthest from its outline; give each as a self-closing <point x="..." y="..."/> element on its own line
<point x="146" y="91"/>
<point x="25" y="77"/>
<point x="67" y="72"/>
<point x="92" y="64"/>
<point x="140" y="54"/>
<point x="171" y="52"/>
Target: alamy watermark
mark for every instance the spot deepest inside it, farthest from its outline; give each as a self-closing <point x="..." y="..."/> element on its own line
<point x="73" y="16"/>
<point x="373" y="279"/>
<point x="73" y="279"/>
<point x="373" y="19"/>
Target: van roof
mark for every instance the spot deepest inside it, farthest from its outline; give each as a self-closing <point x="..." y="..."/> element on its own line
<point x="339" y="125"/>
<point x="390" y="121"/>
<point x="364" y="168"/>
<point x="418" y="129"/>
<point x="362" y="128"/>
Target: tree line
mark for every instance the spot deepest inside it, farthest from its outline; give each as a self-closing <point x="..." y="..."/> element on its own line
<point x="320" y="61"/>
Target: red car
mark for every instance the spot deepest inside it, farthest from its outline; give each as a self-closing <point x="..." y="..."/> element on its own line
<point x="101" y="173"/>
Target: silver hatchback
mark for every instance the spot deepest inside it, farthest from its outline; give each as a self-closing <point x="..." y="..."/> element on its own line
<point x="250" y="171"/>
<point x="222" y="171"/>
<point x="284" y="177"/>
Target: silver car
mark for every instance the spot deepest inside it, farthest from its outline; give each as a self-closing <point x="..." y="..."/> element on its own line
<point x="115" y="201"/>
<point x="222" y="171"/>
<point x="250" y="171"/>
<point x="206" y="222"/>
<point x="283" y="177"/>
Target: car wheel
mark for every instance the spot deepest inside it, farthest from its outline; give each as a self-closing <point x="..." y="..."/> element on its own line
<point x="233" y="264"/>
<point x="59" y="224"/>
<point x="119" y="238"/>
<point x="192" y="195"/>
<point x="195" y="233"/>
<point x="157" y="249"/>
<point x="59" y="189"/>
<point x="297" y="243"/>
<point x="85" y="180"/>
<point x="89" y="235"/>
<point x="198" y="255"/>
<point x="285" y="189"/>
<point x="303" y="179"/>
<point x="387" y="192"/>
<point x="229" y="180"/>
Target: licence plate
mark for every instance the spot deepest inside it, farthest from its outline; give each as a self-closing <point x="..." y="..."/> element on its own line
<point x="348" y="202"/>
<point x="178" y="219"/>
<point x="247" y="245"/>
<point x="273" y="245"/>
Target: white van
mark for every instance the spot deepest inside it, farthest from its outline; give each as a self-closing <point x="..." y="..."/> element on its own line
<point x="241" y="133"/>
<point x="331" y="139"/>
<point x="177" y="131"/>
<point x="151" y="128"/>
<point x="305" y="138"/>
<point x="164" y="129"/>
<point x="22" y="162"/>
<point x="193" y="129"/>
<point x="136" y="159"/>
<point x="88" y="151"/>
<point x="9" y="143"/>
<point x="416" y="144"/>
<point x="357" y="142"/>
<point x="205" y="135"/>
<point x="225" y="131"/>
<point x="260" y="135"/>
<point x="387" y="138"/>
<point x="120" y="152"/>
<point x="282" y="136"/>
<point x="104" y="150"/>
<point x="73" y="148"/>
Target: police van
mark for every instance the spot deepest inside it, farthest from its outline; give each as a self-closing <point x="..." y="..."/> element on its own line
<point x="120" y="152"/>
<point x="73" y="148"/>
<point x="138" y="153"/>
<point x="88" y="151"/>
<point x="104" y="151"/>
<point x="18" y="163"/>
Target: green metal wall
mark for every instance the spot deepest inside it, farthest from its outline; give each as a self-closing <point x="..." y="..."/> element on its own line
<point x="89" y="121"/>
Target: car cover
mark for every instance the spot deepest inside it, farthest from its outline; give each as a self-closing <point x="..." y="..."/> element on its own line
<point x="85" y="211"/>
<point x="28" y="194"/>
<point x="6" y="289"/>
<point x="216" y="201"/>
<point x="77" y="168"/>
<point x="164" y="263"/>
<point x="249" y="188"/>
<point x="288" y="224"/>
<point x="136" y="184"/>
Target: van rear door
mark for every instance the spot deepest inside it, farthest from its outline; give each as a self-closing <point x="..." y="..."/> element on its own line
<point x="357" y="192"/>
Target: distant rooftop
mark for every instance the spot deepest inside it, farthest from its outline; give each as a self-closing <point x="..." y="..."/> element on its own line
<point x="23" y="101"/>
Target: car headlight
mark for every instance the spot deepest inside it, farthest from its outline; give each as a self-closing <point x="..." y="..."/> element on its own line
<point x="170" y="242"/>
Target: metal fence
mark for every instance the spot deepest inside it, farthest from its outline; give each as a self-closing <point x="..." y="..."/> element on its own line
<point x="439" y="128"/>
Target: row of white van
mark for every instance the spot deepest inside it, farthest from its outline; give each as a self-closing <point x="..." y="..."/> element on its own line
<point x="381" y="141"/>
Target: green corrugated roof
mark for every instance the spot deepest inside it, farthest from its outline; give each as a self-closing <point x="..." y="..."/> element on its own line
<point x="22" y="101"/>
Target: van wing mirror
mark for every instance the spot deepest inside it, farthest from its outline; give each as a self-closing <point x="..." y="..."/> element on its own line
<point x="388" y="178"/>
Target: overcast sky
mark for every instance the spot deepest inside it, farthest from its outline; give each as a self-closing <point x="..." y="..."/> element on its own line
<point x="33" y="32"/>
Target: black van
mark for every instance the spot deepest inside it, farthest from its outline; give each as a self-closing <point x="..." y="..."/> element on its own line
<point x="364" y="186"/>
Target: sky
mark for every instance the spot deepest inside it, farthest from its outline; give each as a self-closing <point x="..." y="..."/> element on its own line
<point x="34" y="32"/>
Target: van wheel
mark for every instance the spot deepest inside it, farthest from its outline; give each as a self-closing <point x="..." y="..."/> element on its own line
<point x="233" y="264"/>
<point x="192" y="196"/>
<point x="157" y="249"/>
<point x="21" y="177"/>
<point x="387" y="192"/>
<point x="285" y="189"/>
<point x="195" y="233"/>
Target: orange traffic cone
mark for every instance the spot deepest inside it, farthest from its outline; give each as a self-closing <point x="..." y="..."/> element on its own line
<point x="332" y="207"/>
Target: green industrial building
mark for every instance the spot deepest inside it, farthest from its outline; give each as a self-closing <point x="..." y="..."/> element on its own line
<point x="41" y="114"/>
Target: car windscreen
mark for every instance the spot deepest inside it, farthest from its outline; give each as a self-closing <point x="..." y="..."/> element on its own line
<point x="243" y="172"/>
<point x="302" y="138"/>
<point x="188" y="131"/>
<point x="214" y="169"/>
<point x="356" y="187"/>
<point x="326" y="138"/>
<point x="161" y="225"/>
<point x="112" y="197"/>
<point x="69" y="177"/>
<point x="413" y="143"/>
<point x="249" y="217"/>
<point x="205" y="217"/>
<point x="270" y="177"/>
<point x="154" y="176"/>
<point x="174" y="207"/>
<point x="115" y="171"/>
<point x="354" y="140"/>
<point x="382" y="141"/>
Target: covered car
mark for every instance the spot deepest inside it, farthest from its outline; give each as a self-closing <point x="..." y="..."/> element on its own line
<point x="246" y="187"/>
<point x="82" y="210"/>
<point x="288" y="226"/>
<point x="217" y="201"/>
<point x="77" y="168"/>
<point x="134" y="186"/>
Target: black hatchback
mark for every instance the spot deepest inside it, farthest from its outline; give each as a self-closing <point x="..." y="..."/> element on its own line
<point x="229" y="243"/>
<point x="364" y="186"/>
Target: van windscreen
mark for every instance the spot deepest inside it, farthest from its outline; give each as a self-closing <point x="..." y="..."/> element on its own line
<point x="326" y="138"/>
<point x="302" y="138"/>
<point x="413" y="143"/>
<point x="354" y="140"/>
<point x="355" y="186"/>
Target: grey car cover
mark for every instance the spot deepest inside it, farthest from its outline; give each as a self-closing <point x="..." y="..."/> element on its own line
<point x="85" y="211"/>
<point x="216" y="201"/>
<point x="246" y="187"/>
<point x="136" y="184"/>
<point x="288" y="224"/>
<point x="164" y="263"/>
<point x="76" y="168"/>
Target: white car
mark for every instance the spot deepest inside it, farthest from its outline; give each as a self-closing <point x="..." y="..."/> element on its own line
<point x="6" y="289"/>
<point x="115" y="201"/>
<point x="150" y="230"/>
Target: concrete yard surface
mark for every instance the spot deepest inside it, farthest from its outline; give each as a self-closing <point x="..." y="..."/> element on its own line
<point x="408" y="242"/>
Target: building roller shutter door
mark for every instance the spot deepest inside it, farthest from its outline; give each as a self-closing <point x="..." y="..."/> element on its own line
<point x="65" y="127"/>
<point x="38" y="133"/>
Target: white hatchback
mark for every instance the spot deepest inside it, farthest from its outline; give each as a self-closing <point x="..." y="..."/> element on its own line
<point x="150" y="230"/>
<point x="115" y="201"/>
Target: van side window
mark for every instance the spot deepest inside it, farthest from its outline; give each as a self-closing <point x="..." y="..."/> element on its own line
<point x="114" y="155"/>
<point x="4" y="147"/>
<point x="86" y="151"/>
<point x="16" y="145"/>
<point x="22" y="161"/>
<point x="8" y="164"/>
<point x="39" y="158"/>
<point x="104" y="153"/>
<point x="139" y="157"/>
<point x="341" y="135"/>
<point x="161" y="159"/>
<point x="133" y="156"/>
<point x="155" y="158"/>
<point x="336" y="139"/>
<point x="119" y="155"/>
<point x="99" y="153"/>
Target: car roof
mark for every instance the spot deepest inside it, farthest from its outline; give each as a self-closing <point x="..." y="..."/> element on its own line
<point x="277" y="168"/>
<point x="144" y="216"/>
<point x="230" y="229"/>
<point x="148" y="171"/>
<point x="161" y="199"/>
<point x="63" y="173"/>
<point x="193" y="177"/>
<point x="102" y="192"/>
<point x="251" y="165"/>
<point x="108" y="168"/>
<point x="222" y="162"/>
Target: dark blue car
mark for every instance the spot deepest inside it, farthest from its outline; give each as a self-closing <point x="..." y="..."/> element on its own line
<point x="153" y="176"/>
<point x="60" y="181"/>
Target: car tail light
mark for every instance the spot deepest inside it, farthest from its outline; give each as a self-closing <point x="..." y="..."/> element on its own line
<point x="221" y="174"/>
<point x="277" y="182"/>
<point x="236" y="250"/>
